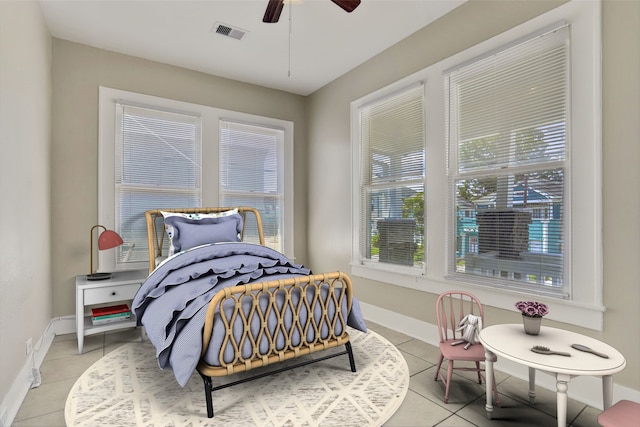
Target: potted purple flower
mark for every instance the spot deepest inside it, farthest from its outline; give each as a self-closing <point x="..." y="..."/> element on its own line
<point x="532" y="314"/>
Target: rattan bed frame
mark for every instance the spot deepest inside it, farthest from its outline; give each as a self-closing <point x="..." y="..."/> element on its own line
<point x="337" y="282"/>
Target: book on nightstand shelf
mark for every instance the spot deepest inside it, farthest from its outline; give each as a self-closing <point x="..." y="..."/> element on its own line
<point x="112" y="309"/>
<point x="116" y="313"/>
<point x="110" y="319"/>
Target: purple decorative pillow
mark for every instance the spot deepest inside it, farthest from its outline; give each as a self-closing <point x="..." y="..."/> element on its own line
<point x="195" y="216"/>
<point x="188" y="233"/>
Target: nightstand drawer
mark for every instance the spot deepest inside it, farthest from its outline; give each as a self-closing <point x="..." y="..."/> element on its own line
<point x="110" y="293"/>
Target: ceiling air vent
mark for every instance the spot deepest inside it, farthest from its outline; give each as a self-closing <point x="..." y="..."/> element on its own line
<point x="229" y="31"/>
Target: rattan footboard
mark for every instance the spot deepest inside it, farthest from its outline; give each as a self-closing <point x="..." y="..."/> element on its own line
<point x="338" y="290"/>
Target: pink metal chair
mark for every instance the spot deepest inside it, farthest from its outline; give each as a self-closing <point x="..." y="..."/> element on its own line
<point x="625" y="413"/>
<point x="451" y="309"/>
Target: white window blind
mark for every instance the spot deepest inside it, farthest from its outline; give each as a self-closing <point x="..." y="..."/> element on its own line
<point x="392" y="186"/>
<point x="158" y="164"/>
<point x="507" y="128"/>
<point x="252" y="174"/>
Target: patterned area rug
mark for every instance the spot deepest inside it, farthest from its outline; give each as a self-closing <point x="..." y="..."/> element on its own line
<point x="126" y="388"/>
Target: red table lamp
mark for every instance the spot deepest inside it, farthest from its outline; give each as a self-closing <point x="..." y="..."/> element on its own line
<point x="108" y="239"/>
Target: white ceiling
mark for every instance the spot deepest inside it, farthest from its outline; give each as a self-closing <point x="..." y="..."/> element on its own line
<point x="325" y="41"/>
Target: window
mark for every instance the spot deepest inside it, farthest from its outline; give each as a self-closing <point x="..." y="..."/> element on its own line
<point x="157" y="160"/>
<point x="251" y="174"/>
<point x="392" y="179"/>
<point x="512" y="137"/>
<point x="160" y="153"/>
<point x="506" y="117"/>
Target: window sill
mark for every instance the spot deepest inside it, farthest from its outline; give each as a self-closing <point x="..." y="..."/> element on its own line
<point x="560" y="310"/>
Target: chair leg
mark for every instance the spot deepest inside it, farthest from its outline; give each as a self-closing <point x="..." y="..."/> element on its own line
<point x="478" y="371"/>
<point x="435" y="378"/>
<point x="449" y="375"/>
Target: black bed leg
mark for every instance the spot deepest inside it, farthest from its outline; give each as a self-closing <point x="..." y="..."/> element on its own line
<point x="207" y="394"/>
<point x="351" y="359"/>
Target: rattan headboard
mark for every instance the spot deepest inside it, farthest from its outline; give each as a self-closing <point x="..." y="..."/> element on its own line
<point x="156" y="233"/>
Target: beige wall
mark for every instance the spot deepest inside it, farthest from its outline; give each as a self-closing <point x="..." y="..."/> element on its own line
<point x="621" y="183"/>
<point x="78" y="71"/>
<point x="476" y="21"/>
<point x="25" y="109"/>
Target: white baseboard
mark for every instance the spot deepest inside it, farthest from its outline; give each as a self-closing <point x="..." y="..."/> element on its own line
<point x="65" y="325"/>
<point x="585" y="389"/>
<point x="30" y="371"/>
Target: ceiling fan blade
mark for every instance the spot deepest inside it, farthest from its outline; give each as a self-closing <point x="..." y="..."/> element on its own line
<point x="274" y="9"/>
<point x="348" y="5"/>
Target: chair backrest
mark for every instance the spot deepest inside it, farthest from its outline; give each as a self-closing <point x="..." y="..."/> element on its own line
<point x="451" y="308"/>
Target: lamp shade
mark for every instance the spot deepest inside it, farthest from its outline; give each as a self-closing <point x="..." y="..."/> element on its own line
<point x="108" y="239"/>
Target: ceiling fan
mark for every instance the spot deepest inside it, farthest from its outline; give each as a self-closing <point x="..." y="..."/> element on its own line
<point x="274" y="8"/>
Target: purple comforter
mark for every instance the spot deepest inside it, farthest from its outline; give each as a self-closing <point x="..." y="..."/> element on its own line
<point x="172" y="303"/>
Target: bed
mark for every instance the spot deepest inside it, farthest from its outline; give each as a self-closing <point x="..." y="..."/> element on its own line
<point x="216" y="303"/>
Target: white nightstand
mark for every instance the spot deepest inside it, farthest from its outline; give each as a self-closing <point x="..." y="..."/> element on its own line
<point x="122" y="286"/>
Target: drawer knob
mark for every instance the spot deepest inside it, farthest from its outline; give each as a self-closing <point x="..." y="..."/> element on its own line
<point x="113" y="293"/>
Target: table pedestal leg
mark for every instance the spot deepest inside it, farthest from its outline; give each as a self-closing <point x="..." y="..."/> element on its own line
<point x="489" y="381"/>
<point x="562" y="385"/>
<point x="532" y="385"/>
<point x="607" y="391"/>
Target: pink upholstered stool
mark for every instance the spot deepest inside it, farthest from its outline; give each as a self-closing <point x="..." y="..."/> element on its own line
<point x="623" y="414"/>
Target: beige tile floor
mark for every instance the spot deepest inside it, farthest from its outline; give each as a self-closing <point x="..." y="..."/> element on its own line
<point x="423" y="405"/>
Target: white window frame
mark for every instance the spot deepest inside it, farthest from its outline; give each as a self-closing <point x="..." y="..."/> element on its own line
<point x="276" y="192"/>
<point x="584" y="258"/>
<point x="365" y="184"/>
<point x="554" y="38"/>
<point x="211" y="118"/>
